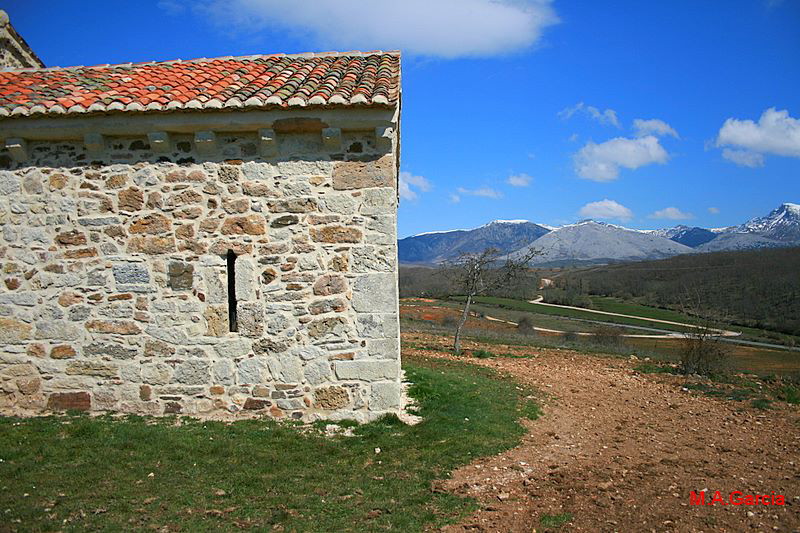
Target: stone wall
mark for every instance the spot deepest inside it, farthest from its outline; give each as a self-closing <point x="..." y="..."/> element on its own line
<point x="115" y="280"/>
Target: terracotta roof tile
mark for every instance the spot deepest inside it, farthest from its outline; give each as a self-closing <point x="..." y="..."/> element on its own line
<point x="328" y="79"/>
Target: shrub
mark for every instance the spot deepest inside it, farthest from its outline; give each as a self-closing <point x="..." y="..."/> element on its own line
<point x="704" y="354"/>
<point x="449" y="321"/>
<point x="482" y="354"/>
<point x="789" y="394"/>
<point x="607" y="336"/>
<point x="571" y="336"/>
<point x="525" y="325"/>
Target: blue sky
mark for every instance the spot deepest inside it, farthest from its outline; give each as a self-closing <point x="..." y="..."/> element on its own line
<point x="647" y="114"/>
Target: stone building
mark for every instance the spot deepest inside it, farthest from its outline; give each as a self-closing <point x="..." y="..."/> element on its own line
<point x="214" y="237"/>
<point x="14" y="51"/>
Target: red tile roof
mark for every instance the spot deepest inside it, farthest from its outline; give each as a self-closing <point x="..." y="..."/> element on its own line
<point x="269" y="81"/>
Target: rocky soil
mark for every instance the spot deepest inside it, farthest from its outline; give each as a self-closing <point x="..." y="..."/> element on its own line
<point x="616" y="450"/>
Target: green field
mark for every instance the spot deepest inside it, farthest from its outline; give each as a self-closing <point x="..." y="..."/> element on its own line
<point x="539" y="320"/>
<point x="82" y="473"/>
<point x="615" y="305"/>
<point x="520" y="305"/>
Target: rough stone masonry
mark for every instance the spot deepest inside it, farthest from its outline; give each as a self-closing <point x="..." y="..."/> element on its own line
<point x="215" y="263"/>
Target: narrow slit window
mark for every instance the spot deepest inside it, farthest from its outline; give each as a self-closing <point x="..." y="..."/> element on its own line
<point x="232" y="323"/>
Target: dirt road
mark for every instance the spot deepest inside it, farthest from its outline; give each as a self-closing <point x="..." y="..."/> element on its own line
<point x="721" y="332"/>
<point x="620" y="451"/>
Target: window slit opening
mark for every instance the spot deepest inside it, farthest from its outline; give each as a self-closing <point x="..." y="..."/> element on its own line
<point x="232" y="322"/>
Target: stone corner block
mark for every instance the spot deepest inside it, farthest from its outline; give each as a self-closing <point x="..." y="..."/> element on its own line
<point x="368" y="370"/>
<point x="375" y="293"/>
<point x="378" y="172"/>
<point x="384" y="396"/>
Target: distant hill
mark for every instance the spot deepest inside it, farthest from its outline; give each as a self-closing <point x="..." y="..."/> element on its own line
<point x="439" y="246"/>
<point x="732" y="241"/>
<point x="688" y="236"/>
<point x="591" y="242"/>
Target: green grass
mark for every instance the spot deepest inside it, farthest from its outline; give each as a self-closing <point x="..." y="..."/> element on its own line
<point x="738" y="394"/>
<point x="617" y="305"/>
<point x="482" y="354"/>
<point x="78" y="473"/>
<point x="789" y="394"/>
<point x="762" y="403"/>
<point x="555" y="521"/>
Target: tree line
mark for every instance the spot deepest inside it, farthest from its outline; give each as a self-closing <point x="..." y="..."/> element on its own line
<point x="759" y="288"/>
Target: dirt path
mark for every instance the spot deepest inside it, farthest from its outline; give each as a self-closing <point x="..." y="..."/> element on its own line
<point x="586" y="334"/>
<point x="620" y="451"/>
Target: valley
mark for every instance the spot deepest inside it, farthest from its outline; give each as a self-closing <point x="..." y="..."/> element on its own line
<point x="497" y="320"/>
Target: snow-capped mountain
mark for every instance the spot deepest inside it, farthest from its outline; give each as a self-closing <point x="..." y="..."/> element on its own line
<point x="782" y="224"/>
<point x="590" y="241"/>
<point x="689" y="236"/>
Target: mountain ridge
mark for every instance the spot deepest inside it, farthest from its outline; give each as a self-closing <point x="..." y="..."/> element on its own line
<point x="593" y="241"/>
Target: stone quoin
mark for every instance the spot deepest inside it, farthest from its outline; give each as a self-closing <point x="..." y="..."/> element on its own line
<point x="214" y="237"/>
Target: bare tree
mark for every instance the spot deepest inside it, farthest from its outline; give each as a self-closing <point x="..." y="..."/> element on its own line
<point x="475" y="274"/>
<point x="704" y="352"/>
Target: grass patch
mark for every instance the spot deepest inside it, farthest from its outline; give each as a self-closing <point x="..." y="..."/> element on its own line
<point x="789" y="394"/>
<point x="482" y="354"/>
<point x="531" y="410"/>
<point x="761" y="403"/>
<point x="77" y="473"/>
<point x="623" y="307"/>
<point x="738" y="394"/>
<point x="555" y="521"/>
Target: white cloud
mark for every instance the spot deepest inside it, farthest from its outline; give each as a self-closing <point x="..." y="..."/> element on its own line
<point x="442" y="28"/>
<point x="519" y="180"/>
<point x="653" y="126"/>
<point x="671" y="213"/>
<point x="606" y="209"/>
<point x="744" y="158"/>
<point x="713" y="210"/>
<point x="407" y="180"/>
<point x="609" y="116"/>
<point x="601" y="162"/>
<point x="485" y="192"/>
<point x="454" y="198"/>
<point x="775" y="133"/>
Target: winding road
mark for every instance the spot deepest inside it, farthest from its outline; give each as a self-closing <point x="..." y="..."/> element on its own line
<point x="717" y="332"/>
<point x="722" y="334"/>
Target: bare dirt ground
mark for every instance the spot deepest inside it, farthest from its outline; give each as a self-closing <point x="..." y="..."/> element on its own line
<point x="621" y="451"/>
